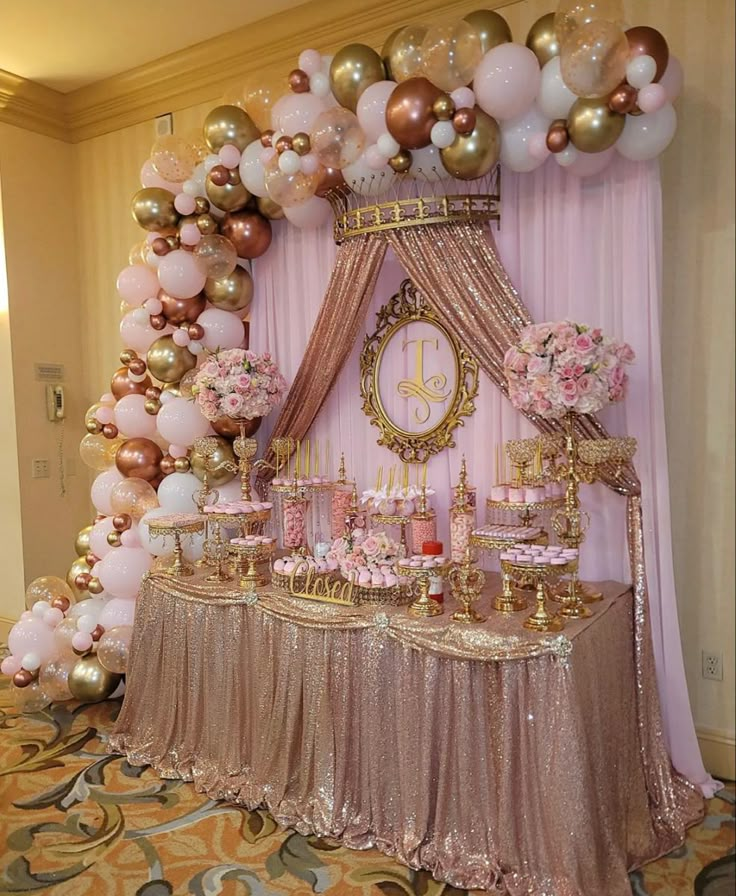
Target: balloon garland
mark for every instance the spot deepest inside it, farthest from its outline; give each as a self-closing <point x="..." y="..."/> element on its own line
<point x="581" y="89"/>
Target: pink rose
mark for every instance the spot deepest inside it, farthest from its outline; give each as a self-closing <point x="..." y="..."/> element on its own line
<point x="584" y="343"/>
<point x="617" y="375"/>
<point x="539" y="365"/>
<point x="625" y="353"/>
<point x="569" y="392"/>
<point x="585" y="384"/>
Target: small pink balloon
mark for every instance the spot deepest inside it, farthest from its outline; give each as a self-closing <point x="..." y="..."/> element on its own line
<point x="136" y="283"/>
<point x="107" y="398"/>
<point x="230" y="155"/>
<point x="651" y="98"/>
<point x="184" y="204"/>
<point x="538" y="147"/>
<point x="310" y="164"/>
<point x="130" y="538"/>
<point x="105" y="415"/>
<point x="267" y="153"/>
<point x="190" y="234"/>
<point x="26" y="614"/>
<point x="374" y="158"/>
<point x="672" y="79"/>
<point x="150" y="178"/>
<point x="181" y="338"/>
<point x="81" y="641"/>
<point x="180" y="275"/>
<point x="52" y="617"/>
<point x="10" y="665"/>
<point x="153" y="306"/>
<point x="463" y="97"/>
<point x="310" y="61"/>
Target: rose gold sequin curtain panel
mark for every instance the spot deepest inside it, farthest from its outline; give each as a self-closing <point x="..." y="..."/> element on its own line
<point x="457" y="270"/>
<point x="340" y="317"/>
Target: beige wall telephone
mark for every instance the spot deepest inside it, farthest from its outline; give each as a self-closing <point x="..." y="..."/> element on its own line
<point x="55" y="403"/>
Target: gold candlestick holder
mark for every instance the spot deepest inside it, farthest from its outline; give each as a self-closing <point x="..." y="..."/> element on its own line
<point x="245" y="450"/>
<point x="206" y="448"/>
<point x="177" y="525"/>
<point x="466" y="583"/>
<point x="247" y="557"/>
<point x="423" y="606"/>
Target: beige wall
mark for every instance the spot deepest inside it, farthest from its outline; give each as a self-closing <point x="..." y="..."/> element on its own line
<point x="39" y="212"/>
<point x="697" y="173"/>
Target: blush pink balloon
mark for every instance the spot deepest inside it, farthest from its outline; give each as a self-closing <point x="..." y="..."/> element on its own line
<point x="222" y="329"/>
<point x="588" y="164"/>
<point x="118" y="611"/>
<point x="296" y="113"/>
<point x="230" y="155"/>
<point x="136" y="283"/>
<point x="180" y="421"/>
<point x="651" y="98"/>
<point x="178" y="451"/>
<point x="537" y="144"/>
<point x="310" y="164"/>
<point x="10" y="665"/>
<point x="310" y="61"/>
<point x="189" y="234"/>
<point x="672" y="79"/>
<point x="98" y="537"/>
<point x="180" y="275"/>
<point x="463" y="97"/>
<point x="130" y="538"/>
<point x="139" y="335"/>
<point x="310" y="214"/>
<point x="81" y="641"/>
<point x="132" y="419"/>
<point x="101" y="489"/>
<point x="507" y="81"/>
<point x="52" y="617"/>
<point x="31" y="636"/>
<point x="122" y="570"/>
<point x="267" y="153"/>
<point x="184" y="204"/>
<point x="181" y="338"/>
<point x="371" y="109"/>
<point x="251" y="169"/>
<point x="105" y="415"/>
<point x="374" y="157"/>
<point x="151" y="178"/>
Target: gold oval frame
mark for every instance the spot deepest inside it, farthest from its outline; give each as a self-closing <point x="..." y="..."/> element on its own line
<point x="414" y="448"/>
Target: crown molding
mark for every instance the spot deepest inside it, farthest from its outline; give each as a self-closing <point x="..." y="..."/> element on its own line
<point x="201" y="73"/>
<point x="33" y="107"/>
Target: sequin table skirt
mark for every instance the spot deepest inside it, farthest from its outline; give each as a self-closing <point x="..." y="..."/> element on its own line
<point x="494" y="757"/>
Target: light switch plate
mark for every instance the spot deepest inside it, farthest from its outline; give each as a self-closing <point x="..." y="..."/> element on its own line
<point x="40" y="468"/>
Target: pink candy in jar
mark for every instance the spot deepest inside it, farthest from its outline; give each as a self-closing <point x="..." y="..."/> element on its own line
<point x="341" y="500"/>
<point x="294" y="524"/>
<point x="461" y="526"/>
<point x="422" y="530"/>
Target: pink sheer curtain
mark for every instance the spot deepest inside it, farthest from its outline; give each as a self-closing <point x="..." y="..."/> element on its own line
<point x="566" y="250"/>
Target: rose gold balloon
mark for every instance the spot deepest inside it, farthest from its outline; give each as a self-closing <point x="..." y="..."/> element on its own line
<point x="409" y="115"/>
<point x="167" y="465"/>
<point x="61" y="603"/>
<point x="219" y="175"/>
<point x="137" y="366"/>
<point x="90" y="559"/>
<point x="121" y="385"/>
<point x="160" y="246"/>
<point x="181" y="311"/>
<point x="153" y="394"/>
<point x="299" y="81"/>
<point x="195" y="331"/>
<point x="110" y="431"/>
<point x="97" y="632"/>
<point x="283" y="143"/>
<point x="139" y="458"/>
<point x="464" y="121"/>
<point x="122" y="522"/>
<point x="23" y="678"/>
<point x="82" y="580"/>
<point x="329" y="179"/>
<point x="267" y="138"/>
<point x="249" y="232"/>
<point x="623" y="99"/>
<point x="646" y="41"/>
<point x="157" y="321"/>
<point x="557" y="136"/>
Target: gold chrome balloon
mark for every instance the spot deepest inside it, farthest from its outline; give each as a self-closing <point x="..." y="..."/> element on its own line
<point x="270" y="209"/>
<point x="90" y="682"/>
<point x="542" y="39"/>
<point x="491" y="28"/>
<point x="81" y="543"/>
<point x="229" y="197"/>
<point x="218" y="474"/>
<point x="181" y="465"/>
<point x="352" y="70"/>
<point x="301" y="143"/>
<point x="153" y="209"/>
<point x="443" y="107"/>
<point x="167" y="361"/>
<point x="232" y="293"/>
<point x="474" y="155"/>
<point x="401" y="162"/>
<point x="592" y="126"/>
<point x="77" y="568"/>
<point x="229" y="124"/>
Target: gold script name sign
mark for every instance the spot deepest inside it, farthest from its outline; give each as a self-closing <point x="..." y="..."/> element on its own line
<point x="416" y="380"/>
<point x="318" y="586"/>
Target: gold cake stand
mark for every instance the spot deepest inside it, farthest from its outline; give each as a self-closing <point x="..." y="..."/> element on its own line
<point x="507" y="601"/>
<point x="541" y="619"/>
<point x="246" y="558"/>
<point x="423" y="605"/>
<point x="525" y="509"/>
<point x="217" y="550"/>
<point x="177" y="525"/>
<point x="392" y="519"/>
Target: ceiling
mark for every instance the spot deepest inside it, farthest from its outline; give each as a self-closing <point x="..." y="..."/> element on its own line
<point x="67" y="44"/>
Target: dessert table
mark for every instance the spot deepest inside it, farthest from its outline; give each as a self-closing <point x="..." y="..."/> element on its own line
<point x="493" y="756"/>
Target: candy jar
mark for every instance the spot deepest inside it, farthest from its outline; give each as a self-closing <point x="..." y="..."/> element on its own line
<point x="295" y="518"/>
<point x="341" y="500"/>
<point x="462" y="518"/>
<point x="423" y="524"/>
<point x="433" y="549"/>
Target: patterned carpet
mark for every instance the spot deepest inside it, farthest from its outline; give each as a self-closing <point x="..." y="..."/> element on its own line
<point x="77" y="822"/>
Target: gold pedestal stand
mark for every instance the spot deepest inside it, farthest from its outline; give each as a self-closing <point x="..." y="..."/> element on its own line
<point x="177" y="525"/>
<point x="218" y="547"/>
<point x="393" y="519"/>
<point x="507" y="601"/>
<point x="246" y="559"/>
<point x="541" y="619"/>
<point x="423" y="606"/>
<point x="466" y="581"/>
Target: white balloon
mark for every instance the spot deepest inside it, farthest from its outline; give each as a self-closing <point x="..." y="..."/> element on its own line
<point x="180" y="422"/>
<point x="31" y="661"/>
<point x="289" y="162"/>
<point x="86" y="623"/>
<point x="567" y="156"/>
<point x="367" y="181"/>
<point x="319" y="84"/>
<point x="176" y="491"/>
<point x="426" y="165"/>
<point x="555" y="97"/>
<point x="641" y="71"/>
<point x="515" y="136"/>
<point x="442" y="134"/>
<point x="387" y="146"/>
<point x="646" y="136"/>
<point x="251" y="169"/>
<point x="222" y="329"/>
<point x="38" y="609"/>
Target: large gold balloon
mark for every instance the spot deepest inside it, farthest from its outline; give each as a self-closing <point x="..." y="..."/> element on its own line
<point x="218" y="474"/>
<point x="167" y="361"/>
<point x="81" y="542"/>
<point x="404" y="58"/>
<point x="97" y="452"/>
<point x="229" y="197"/>
<point x="352" y="70"/>
<point x="592" y="126"/>
<point x="90" y="682"/>
<point x="270" y="209"/>
<point x="542" y="39"/>
<point x="388" y="46"/>
<point x="229" y="124"/>
<point x="232" y="293"/>
<point x="474" y="155"/>
<point x="491" y="28"/>
<point x="153" y="209"/>
<point x="79" y="566"/>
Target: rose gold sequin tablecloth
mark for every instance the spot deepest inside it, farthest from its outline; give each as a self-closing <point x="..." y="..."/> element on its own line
<point x="494" y="757"/>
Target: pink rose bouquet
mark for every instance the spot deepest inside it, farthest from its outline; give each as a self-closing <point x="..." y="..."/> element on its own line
<point x="238" y="383"/>
<point x="559" y="367"/>
<point x="372" y="551"/>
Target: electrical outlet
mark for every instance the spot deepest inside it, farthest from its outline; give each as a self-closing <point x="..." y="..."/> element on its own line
<point x="713" y="666"/>
<point x="40" y="469"/>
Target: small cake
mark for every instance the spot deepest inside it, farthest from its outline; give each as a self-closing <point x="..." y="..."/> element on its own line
<point x="499" y="493"/>
<point x="516" y="494"/>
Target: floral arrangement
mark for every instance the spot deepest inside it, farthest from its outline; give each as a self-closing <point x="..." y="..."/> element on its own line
<point x="565" y="366"/>
<point x="371" y="551"/>
<point x="238" y="383"/>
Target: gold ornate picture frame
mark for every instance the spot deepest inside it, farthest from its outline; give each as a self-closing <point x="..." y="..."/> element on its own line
<point x="437" y="389"/>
